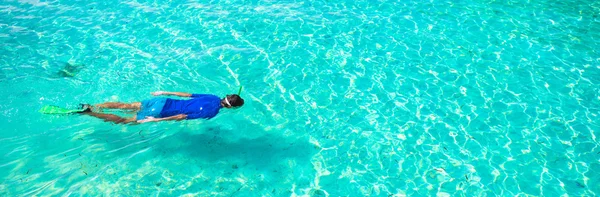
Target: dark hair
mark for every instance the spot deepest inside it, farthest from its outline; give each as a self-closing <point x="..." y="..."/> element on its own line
<point x="235" y="100"/>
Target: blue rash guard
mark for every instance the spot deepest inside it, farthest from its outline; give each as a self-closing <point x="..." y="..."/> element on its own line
<point x="204" y="106"/>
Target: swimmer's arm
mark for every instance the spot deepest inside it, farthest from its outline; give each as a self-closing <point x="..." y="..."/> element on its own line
<point x="181" y="94"/>
<point x="175" y="117"/>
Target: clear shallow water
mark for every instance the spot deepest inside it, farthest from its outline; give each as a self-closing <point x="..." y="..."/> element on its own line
<point x="355" y="98"/>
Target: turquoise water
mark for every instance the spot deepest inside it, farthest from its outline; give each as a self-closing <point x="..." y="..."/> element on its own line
<point x="343" y="98"/>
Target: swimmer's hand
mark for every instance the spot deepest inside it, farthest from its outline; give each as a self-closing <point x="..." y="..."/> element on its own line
<point x="148" y="119"/>
<point x="153" y="119"/>
<point x="158" y="93"/>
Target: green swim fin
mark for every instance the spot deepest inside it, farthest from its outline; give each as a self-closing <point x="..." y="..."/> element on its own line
<point x="51" y="109"/>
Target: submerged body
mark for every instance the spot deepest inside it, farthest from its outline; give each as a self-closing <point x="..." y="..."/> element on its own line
<point x="205" y="106"/>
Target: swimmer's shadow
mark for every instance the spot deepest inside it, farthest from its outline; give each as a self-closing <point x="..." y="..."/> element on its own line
<point x="214" y="145"/>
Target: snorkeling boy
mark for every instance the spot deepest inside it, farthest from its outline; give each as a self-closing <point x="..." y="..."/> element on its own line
<point x="204" y="106"/>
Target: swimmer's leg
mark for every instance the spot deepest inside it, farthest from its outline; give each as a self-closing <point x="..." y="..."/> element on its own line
<point x="110" y="117"/>
<point x="117" y="105"/>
